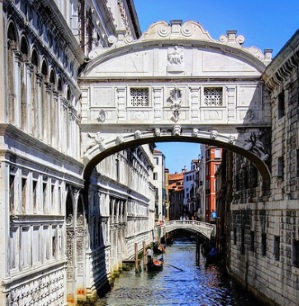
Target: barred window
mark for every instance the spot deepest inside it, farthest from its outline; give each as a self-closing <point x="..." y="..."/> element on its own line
<point x="213" y="96"/>
<point x="139" y="96"/>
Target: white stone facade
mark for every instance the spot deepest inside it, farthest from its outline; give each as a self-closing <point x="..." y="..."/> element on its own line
<point x="60" y="244"/>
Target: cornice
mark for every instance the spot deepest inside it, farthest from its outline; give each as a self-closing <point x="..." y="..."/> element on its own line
<point x="54" y="18"/>
<point x="284" y="63"/>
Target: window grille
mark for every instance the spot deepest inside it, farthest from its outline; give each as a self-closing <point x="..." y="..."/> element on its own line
<point x="213" y="96"/>
<point x="139" y="96"/>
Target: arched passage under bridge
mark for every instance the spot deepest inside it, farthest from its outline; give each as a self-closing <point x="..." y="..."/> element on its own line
<point x="101" y="149"/>
<point x="208" y="230"/>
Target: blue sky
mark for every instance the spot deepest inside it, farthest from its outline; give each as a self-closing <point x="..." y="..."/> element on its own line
<point x="264" y="24"/>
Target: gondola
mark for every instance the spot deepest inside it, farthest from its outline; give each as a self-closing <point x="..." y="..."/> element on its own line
<point x="155" y="264"/>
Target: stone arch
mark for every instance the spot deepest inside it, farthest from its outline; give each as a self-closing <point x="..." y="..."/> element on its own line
<point x="44" y="69"/>
<point x="68" y="93"/>
<point x="190" y="230"/>
<point x="101" y="149"/>
<point x="69" y="208"/>
<point x="59" y="84"/>
<point x="34" y="57"/>
<point x="24" y="48"/>
<point x="12" y="37"/>
<point x="12" y="43"/>
<point x="52" y="78"/>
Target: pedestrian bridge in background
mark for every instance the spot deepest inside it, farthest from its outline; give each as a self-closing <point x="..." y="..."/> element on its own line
<point x="206" y="229"/>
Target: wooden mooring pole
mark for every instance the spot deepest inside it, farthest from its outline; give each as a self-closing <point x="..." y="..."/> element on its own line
<point x="144" y="254"/>
<point x="136" y="258"/>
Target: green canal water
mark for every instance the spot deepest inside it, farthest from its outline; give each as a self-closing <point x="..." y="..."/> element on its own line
<point x="181" y="283"/>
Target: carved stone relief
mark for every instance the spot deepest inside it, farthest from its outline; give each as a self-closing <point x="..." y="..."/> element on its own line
<point x="255" y="145"/>
<point x="175" y="99"/>
<point x="175" y="59"/>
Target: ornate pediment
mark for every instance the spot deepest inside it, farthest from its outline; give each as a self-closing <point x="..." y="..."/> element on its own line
<point x="181" y="33"/>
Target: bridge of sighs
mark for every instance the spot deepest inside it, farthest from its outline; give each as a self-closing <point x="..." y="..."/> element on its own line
<point x="176" y="83"/>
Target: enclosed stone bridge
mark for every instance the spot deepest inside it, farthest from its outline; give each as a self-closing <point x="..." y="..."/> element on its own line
<point x="176" y="83"/>
<point x="206" y="229"/>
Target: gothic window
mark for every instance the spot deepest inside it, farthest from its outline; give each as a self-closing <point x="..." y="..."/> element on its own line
<point x="34" y="88"/>
<point x="11" y="39"/>
<point x="59" y="85"/>
<point x="52" y="78"/>
<point x="24" y="83"/>
<point x="69" y="209"/>
<point x="213" y="96"/>
<point x="139" y="96"/>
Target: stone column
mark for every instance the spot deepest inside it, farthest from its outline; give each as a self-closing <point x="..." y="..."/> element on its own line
<point x="28" y="98"/>
<point x="3" y="99"/>
<point x="39" y="101"/>
<point x="17" y="99"/>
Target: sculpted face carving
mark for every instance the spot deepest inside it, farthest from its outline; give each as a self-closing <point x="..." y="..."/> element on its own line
<point x="157" y="132"/>
<point x="176" y="130"/>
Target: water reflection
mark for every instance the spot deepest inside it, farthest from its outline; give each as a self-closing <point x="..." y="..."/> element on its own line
<point x="180" y="283"/>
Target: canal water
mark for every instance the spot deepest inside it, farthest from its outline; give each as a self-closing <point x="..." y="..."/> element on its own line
<point x="181" y="282"/>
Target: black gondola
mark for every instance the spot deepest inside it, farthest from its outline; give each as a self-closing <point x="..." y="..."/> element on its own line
<point x="155" y="264"/>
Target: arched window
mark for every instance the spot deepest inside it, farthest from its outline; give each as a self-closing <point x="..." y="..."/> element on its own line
<point x="59" y="85"/>
<point x="68" y="94"/>
<point x="12" y="102"/>
<point x="34" y="93"/>
<point x="34" y="58"/>
<point x="12" y="37"/>
<point x="24" y="49"/>
<point x="24" y="81"/>
<point x="52" y="77"/>
<point x="44" y="69"/>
